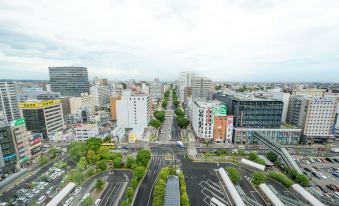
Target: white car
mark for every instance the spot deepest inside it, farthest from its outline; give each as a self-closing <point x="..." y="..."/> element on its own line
<point x="97" y="202"/>
<point x="68" y="202"/>
<point x="41" y="199"/>
<point x="77" y="191"/>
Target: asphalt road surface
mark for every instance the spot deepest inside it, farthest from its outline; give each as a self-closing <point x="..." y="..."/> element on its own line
<point x="7" y="195"/>
<point x="144" y="195"/>
<point x="117" y="184"/>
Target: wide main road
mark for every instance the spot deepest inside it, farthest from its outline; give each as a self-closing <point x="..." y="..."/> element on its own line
<point x="144" y="194"/>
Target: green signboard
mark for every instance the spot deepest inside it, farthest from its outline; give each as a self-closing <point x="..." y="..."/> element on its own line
<point x="219" y="111"/>
<point x="18" y="122"/>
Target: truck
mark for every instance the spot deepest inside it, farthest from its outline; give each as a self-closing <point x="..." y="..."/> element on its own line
<point x="180" y="144"/>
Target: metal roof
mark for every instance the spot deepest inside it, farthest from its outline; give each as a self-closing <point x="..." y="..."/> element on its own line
<point x="253" y="164"/>
<point x="306" y="195"/>
<point x="172" y="193"/>
<point x="61" y="195"/>
<point x="230" y="188"/>
<point x="270" y="195"/>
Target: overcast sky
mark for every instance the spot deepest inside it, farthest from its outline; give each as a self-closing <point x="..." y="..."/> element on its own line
<point x="232" y="40"/>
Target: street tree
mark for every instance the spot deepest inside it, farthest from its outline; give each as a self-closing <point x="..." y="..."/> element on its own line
<point x="100" y="183"/>
<point x="103" y="152"/>
<point x="179" y="112"/>
<point x="130" y="161"/>
<point x="77" y="150"/>
<point x="91" y="156"/>
<point x="183" y="122"/>
<point x="143" y="156"/>
<point x="94" y="143"/>
<point x="139" y="172"/>
<point x="82" y="165"/>
<point x="102" y="165"/>
<point x="160" y="115"/>
<point x="117" y="162"/>
<point x="155" y="123"/>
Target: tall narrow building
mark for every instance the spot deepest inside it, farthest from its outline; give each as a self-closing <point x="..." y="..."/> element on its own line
<point x="69" y="81"/>
<point x="8" y="101"/>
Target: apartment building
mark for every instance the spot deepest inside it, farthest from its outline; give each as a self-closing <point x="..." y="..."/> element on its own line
<point x="201" y="88"/>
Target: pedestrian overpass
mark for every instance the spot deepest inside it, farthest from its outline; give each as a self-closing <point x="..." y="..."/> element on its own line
<point x="278" y="149"/>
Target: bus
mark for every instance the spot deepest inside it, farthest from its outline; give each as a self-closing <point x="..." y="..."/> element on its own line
<point x="108" y="145"/>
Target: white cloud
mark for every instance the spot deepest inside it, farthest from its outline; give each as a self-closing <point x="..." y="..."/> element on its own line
<point x="143" y="39"/>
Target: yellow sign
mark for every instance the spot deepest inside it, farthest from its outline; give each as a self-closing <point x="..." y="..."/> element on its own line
<point x="132" y="137"/>
<point x="38" y="104"/>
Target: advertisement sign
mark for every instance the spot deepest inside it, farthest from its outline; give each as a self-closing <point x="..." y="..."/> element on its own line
<point x="218" y="111"/>
<point x="38" y="104"/>
<point x="18" y="122"/>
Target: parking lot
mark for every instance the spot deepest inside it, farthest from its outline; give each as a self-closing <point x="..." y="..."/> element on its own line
<point x="323" y="173"/>
<point x="41" y="190"/>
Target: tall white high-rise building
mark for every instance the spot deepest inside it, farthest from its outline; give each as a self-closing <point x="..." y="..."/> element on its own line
<point x="185" y="80"/>
<point x="9" y="101"/>
<point x="133" y="111"/>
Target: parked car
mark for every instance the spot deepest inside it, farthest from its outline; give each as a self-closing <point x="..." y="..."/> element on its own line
<point x="41" y="199"/>
<point x="77" y="191"/>
<point x="69" y="201"/>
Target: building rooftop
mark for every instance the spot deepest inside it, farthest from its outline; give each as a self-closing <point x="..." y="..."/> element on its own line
<point x="86" y="126"/>
<point x="207" y="103"/>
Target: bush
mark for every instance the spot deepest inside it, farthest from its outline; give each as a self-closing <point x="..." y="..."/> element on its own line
<point x="130" y="193"/>
<point x="234" y="175"/>
<point x="99" y="185"/>
<point x="130" y="161"/>
<point x="280" y="177"/>
<point x="117" y="162"/>
<point x="102" y="165"/>
<point x="302" y="180"/>
<point x="272" y="156"/>
<point x="134" y="183"/>
<point x="87" y="202"/>
<point x="183" y="195"/>
<point x="258" y="178"/>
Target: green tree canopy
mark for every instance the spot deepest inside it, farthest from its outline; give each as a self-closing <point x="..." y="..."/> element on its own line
<point x="76" y="176"/>
<point x="234" y="175"/>
<point x="179" y="112"/>
<point x="91" y="156"/>
<point x="130" y="161"/>
<point x="272" y="156"/>
<point x="302" y="180"/>
<point x="103" y="152"/>
<point x="94" y="144"/>
<point x="258" y="178"/>
<point x="139" y="172"/>
<point x="143" y="156"/>
<point x="99" y="185"/>
<point x="117" y="162"/>
<point x="155" y="123"/>
<point x="160" y="115"/>
<point x="82" y="165"/>
<point x="183" y="122"/>
<point x="102" y="165"/>
<point x="77" y="150"/>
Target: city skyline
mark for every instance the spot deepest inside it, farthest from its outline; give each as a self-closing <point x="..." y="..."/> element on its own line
<point x="224" y="40"/>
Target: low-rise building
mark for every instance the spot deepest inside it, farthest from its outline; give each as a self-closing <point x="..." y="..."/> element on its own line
<point x="21" y="141"/>
<point x="85" y="131"/>
<point x="283" y="136"/>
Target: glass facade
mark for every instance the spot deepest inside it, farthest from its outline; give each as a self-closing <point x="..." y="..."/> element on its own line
<point x="69" y="81"/>
<point x="8" y="157"/>
<point x="281" y="136"/>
